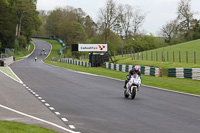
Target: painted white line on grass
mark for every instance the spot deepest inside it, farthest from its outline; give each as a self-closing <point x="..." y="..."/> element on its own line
<point x="36" y="118"/>
<point x="64" y="119"/>
<point x="12" y="77"/>
<point x="20" y="81"/>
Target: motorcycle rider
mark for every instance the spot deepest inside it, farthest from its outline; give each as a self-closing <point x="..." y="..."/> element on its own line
<point x="35" y="58"/>
<point x="135" y="70"/>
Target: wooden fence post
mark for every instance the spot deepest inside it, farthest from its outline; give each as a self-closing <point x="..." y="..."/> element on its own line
<point x="179" y="56"/>
<point x="142" y="55"/>
<point x="167" y="56"/>
<point x="156" y="56"/>
<point x="146" y="56"/>
<point x="194" y="57"/>
<point x="173" y="56"/>
<point x="186" y="56"/>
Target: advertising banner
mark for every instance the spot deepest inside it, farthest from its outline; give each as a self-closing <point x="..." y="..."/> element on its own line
<point x="93" y="47"/>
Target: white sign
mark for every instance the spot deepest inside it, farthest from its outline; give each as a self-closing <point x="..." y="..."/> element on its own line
<point x="93" y="47"/>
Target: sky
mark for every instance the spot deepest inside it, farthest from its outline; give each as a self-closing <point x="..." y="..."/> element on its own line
<point x="158" y="12"/>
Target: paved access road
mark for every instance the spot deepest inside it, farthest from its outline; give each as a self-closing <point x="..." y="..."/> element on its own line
<point x="96" y="105"/>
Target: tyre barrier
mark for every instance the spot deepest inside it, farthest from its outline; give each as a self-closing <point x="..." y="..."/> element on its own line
<point x="152" y="71"/>
<point x="189" y="73"/>
<point x="75" y="62"/>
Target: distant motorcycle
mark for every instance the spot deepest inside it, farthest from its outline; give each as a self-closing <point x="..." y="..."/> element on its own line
<point x="132" y="86"/>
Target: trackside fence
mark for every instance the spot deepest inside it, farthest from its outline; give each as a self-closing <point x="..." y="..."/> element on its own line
<point x="71" y="61"/>
<point x="189" y="73"/>
<point x="152" y="71"/>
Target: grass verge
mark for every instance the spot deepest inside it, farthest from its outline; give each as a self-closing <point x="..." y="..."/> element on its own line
<point x="16" y="127"/>
<point x="9" y="72"/>
<point x="22" y="53"/>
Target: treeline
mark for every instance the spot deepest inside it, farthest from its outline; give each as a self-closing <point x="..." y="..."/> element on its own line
<point x="184" y="27"/>
<point x="118" y="25"/>
<point x="18" y="21"/>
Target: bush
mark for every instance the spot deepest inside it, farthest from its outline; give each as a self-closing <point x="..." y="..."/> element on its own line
<point x="22" y="42"/>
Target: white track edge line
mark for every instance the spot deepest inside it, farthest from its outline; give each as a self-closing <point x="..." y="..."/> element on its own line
<point x="12" y="77"/>
<point x="33" y="117"/>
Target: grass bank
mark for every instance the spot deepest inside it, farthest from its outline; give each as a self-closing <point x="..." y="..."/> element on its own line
<point x="23" y="53"/>
<point x="16" y="127"/>
<point x="172" y="55"/>
<point x="8" y="72"/>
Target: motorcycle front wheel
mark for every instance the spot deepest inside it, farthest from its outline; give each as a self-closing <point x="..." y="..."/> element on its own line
<point x="125" y="94"/>
<point x="133" y="93"/>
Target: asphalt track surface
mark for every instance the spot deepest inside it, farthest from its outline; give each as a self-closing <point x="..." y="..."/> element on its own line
<point x="15" y="97"/>
<point x="96" y="104"/>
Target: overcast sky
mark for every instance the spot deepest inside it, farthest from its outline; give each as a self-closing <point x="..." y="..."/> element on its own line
<point x="159" y="12"/>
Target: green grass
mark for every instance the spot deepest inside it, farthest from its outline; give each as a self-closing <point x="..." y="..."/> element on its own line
<point x="190" y="46"/>
<point x="16" y="127"/>
<point x="7" y="71"/>
<point x="21" y="53"/>
<point x="183" y="47"/>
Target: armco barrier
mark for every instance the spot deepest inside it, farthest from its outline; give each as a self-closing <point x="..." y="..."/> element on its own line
<point x="6" y="61"/>
<point x="157" y="72"/>
<point x="75" y="62"/>
<point x="189" y="73"/>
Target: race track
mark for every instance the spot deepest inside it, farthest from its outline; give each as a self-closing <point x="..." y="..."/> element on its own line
<point x="94" y="104"/>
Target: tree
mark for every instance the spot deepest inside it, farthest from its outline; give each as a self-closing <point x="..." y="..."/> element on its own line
<point x="90" y="26"/>
<point x="138" y="20"/>
<point x="125" y="17"/>
<point x="31" y="21"/>
<point x="170" y="31"/>
<point x="42" y="30"/>
<point x="53" y="22"/>
<point x="7" y="25"/>
<point x="71" y="32"/>
<point x="107" y="18"/>
<point x="80" y="15"/>
<point x="79" y="34"/>
<point x="185" y="16"/>
<point x="196" y="29"/>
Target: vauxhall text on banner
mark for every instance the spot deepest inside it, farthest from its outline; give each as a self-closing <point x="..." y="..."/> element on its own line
<point x="93" y="47"/>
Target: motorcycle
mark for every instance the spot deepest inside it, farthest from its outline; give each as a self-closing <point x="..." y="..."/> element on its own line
<point x="132" y="86"/>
